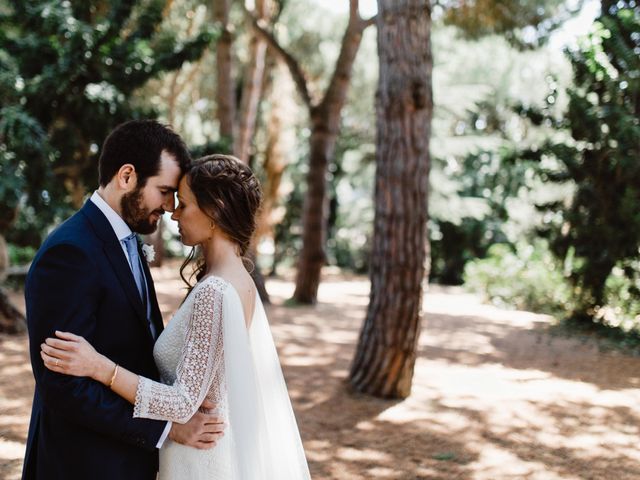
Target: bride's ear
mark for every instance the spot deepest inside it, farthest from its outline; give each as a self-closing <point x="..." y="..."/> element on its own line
<point x="127" y="177"/>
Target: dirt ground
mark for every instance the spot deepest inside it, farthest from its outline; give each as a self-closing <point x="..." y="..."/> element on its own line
<point x="495" y="395"/>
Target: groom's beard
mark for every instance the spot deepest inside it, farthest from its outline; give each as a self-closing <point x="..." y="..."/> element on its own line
<point x="136" y="215"/>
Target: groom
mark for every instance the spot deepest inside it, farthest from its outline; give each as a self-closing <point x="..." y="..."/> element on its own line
<point x="90" y="278"/>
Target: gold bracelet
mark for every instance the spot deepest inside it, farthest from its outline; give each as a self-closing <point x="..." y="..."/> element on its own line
<point x="113" y="378"/>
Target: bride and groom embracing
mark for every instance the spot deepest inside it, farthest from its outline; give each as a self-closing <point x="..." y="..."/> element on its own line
<point x="118" y="397"/>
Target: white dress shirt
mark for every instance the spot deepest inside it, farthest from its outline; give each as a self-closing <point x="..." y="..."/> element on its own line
<point x="122" y="231"/>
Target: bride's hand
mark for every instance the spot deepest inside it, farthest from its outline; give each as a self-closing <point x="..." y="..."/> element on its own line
<point x="73" y="355"/>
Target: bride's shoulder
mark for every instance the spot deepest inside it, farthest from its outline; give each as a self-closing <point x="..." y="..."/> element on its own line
<point x="210" y="284"/>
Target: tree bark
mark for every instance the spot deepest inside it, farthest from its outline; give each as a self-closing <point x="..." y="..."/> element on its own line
<point x="325" y="126"/>
<point x="385" y="358"/>
<point x="11" y="320"/>
<point x="225" y="96"/>
<point x="252" y="88"/>
<point x="280" y="141"/>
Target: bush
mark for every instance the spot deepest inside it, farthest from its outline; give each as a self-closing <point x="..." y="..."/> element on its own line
<point x="527" y="278"/>
<point x="20" y="255"/>
<point x="622" y="291"/>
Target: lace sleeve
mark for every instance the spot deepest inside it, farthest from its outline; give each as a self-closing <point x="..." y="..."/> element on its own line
<point x="201" y="356"/>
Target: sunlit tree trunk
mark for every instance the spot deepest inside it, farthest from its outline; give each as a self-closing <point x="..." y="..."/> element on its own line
<point x="386" y="352"/>
<point x="252" y="87"/>
<point x="325" y="124"/>
<point x="280" y="142"/>
<point x="225" y="98"/>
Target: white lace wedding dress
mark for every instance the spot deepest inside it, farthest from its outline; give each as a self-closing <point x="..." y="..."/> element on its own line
<point x="207" y="352"/>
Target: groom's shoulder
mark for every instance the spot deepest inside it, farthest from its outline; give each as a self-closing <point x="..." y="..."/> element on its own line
<point x="76" y="232"/>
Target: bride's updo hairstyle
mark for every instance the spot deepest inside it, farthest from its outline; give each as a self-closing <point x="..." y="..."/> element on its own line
<point x="229" y="193"/>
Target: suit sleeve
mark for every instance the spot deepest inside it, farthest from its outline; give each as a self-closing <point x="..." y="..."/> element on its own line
<point x="63" y="293"/>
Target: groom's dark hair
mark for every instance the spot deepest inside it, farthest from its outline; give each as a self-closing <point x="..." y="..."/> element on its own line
<point x="140" y="143"/>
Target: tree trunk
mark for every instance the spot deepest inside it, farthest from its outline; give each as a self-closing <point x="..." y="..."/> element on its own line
<point x="384" y="361"/>
<point x="325" y="126"/>
<point x="252" y="88"/>
<point x="225" y="96"/>
<point x="11" y="320"/>
<point x="279" y="143"/>
<point x="314" y="213"/>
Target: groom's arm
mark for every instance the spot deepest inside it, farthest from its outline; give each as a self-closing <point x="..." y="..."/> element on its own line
<point x="63" y="294"/>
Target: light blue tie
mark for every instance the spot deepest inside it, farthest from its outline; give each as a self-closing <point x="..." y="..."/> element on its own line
<point x="131" y="243"/>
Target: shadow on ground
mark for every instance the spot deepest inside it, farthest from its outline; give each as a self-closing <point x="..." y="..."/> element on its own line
<point x="495" y="396"/>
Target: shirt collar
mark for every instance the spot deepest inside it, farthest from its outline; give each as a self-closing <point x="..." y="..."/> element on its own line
<point x="120" y="228"/>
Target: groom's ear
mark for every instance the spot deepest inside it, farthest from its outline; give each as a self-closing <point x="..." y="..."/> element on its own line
<point x="126" y="177"/>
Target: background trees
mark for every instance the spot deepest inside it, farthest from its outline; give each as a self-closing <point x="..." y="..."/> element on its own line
<point x="70" y="73"/>
<point x="597" y="228"/>
<point x="512" y="128"/>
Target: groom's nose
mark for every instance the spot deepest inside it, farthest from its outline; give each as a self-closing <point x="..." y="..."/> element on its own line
<point x="169" y="204"/>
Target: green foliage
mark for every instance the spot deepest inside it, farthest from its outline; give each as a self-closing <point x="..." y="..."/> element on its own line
<point x="525" y="23"/>
<point x="599" y="226"/>
<point x="21" y="255"/>
<point x="527" y="277"/>
<point x="73" y="68"/>
<point x="23" y="149"/>
<point x="622" y="292"/>
<point x="479" y="196"/>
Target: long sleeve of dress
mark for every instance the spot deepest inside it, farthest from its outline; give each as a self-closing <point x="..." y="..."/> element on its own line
<point x="201" y="357"/>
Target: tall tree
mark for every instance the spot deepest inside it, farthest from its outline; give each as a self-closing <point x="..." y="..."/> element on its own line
<point x="68" y="75"/>
<point x="237" y="122"/>
<point x="252" y="85"/>
<point x="385" y="357"/>
<point x="386" y="352"/>
<point x="78" y="65"/>
<point x="324" y="116"/>
<point x="225" y="91"/>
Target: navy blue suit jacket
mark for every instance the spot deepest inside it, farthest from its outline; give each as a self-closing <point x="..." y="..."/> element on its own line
<point x="80" y="282"/>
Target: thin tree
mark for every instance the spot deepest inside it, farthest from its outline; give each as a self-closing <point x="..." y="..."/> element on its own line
<point x="225" y="97"/>
<point x="325" y="126"/>
<point x="252" y="87"/>
<point x="386" y="354"/>
<point x="237" y="121"/>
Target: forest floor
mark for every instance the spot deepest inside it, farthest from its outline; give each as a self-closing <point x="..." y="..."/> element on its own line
<point x="496" y="394"/>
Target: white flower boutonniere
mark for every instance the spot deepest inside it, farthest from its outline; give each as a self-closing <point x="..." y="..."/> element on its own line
<point x="149" y="252"/>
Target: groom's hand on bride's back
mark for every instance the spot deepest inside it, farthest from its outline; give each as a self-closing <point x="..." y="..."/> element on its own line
<point x="202" y="431"/>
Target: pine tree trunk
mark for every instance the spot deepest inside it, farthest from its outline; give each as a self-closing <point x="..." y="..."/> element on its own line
<point x="225" y="97"/>
<point x="252" y="88"/>
<point x="325" y="127"/>
<point x="11" y="320"/>
<point x="314" y="213"/>
<point x="279" y="143"/>
<point x="385" y="358"/>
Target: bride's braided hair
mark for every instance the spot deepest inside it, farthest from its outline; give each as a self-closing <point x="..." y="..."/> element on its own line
<point x="229" y="193"/>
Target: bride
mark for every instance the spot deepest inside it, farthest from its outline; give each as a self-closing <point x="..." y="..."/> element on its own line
<point x="217" y="346"/>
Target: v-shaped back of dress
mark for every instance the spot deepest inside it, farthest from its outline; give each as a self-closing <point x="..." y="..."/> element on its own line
<point x="206" y="351"/>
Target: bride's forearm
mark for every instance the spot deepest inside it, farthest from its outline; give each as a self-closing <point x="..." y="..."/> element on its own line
<point x="123" y="382"/>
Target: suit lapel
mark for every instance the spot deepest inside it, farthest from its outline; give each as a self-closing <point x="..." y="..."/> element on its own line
<point x="121" y="267"/>
<point x="114" y="253"/>
<point x="156" y="316"/>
